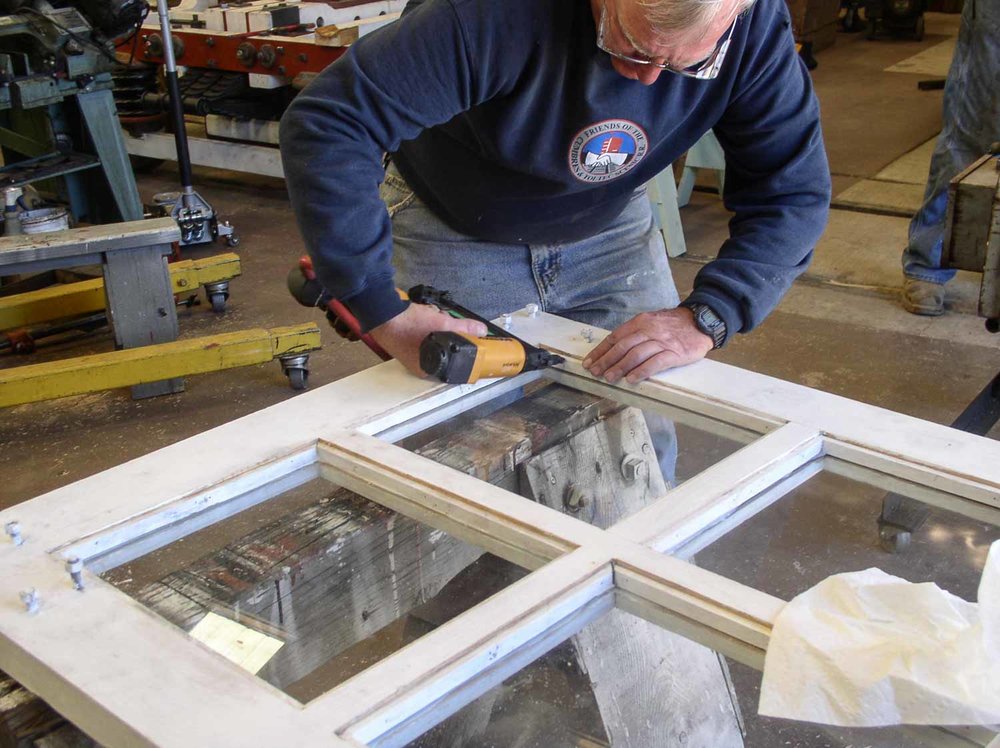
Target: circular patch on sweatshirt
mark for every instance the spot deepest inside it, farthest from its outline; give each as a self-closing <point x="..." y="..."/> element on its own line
<point x="607" y="150"/>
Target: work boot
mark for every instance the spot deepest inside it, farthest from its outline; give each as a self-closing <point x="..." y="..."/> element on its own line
<point x="923" y="297"/>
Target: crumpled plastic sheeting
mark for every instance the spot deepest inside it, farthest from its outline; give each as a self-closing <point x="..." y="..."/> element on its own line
<point x="868" y="649"/>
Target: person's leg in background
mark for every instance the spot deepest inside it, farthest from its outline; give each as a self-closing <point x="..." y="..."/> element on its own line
<point x="971" y="122"/>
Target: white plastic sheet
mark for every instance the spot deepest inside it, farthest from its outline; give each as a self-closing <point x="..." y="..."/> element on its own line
<point x="868" y="649"/>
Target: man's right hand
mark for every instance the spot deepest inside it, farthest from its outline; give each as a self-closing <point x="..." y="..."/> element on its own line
<point x="402" y="335"/>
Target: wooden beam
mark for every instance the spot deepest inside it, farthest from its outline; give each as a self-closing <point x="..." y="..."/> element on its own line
<point x="152" y="363"/>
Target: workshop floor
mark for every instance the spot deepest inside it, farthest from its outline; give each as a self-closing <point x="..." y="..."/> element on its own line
<point x="839" y="329"/>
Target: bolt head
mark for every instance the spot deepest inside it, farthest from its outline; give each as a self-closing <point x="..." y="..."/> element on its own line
<point x="13" y="529"/>
<point x="30" y="599"/>
<point x="632" y="467"/>
<point x="574" y="500"/>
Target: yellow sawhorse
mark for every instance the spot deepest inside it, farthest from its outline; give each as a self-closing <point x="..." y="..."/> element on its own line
<point x="152" y="363"/>
<point x="85" y="297"/>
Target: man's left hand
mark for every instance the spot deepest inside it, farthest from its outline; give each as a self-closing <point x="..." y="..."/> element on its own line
<point x="648" y="344"/>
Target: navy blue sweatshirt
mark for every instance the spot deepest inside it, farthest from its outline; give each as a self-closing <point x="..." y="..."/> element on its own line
<point x="509" y="122"/>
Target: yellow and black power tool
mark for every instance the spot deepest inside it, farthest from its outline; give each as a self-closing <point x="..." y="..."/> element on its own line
<point x="449" y="356"/>
<point x="455" y="358"/>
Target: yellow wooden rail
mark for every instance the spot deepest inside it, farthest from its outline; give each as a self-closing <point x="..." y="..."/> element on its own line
<point x="86" y="297"/>
<point x="104" y="371"/>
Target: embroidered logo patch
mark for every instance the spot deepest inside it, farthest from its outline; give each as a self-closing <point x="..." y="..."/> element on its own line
<point x="606" y="150"/>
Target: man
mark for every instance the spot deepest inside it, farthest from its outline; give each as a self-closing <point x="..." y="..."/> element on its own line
<point x="971" y="124"/>
<point x="521" y="133"/>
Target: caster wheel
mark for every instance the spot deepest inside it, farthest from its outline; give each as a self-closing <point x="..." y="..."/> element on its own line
<point x="218" y="301"/>
<point x="918" y="29"/>
<point x="298" y="379"/>
<point x="233" y="240"/>
<point x="894" y="541"/>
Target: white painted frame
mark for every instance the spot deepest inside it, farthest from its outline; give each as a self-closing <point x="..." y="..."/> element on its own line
<point x="127" y="677"/>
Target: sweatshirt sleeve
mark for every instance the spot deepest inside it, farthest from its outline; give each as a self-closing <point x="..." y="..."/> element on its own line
<point x="777" y="177"/>
<point x="390" y="85"/>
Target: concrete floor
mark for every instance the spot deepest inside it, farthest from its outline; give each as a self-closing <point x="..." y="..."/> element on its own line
<point x="839" y="329"/>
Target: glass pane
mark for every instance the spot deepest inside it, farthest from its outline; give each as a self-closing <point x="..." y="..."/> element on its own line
<point x="832" y="522"/>
<point x="619" y="681"/>
<point x="582" y="453"/>
<point x="312" y="586"/>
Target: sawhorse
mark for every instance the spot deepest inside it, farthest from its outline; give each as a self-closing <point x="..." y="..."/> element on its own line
<point x="133" y="256"/>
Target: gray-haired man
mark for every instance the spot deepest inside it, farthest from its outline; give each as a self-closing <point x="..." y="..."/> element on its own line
<point x="521" y="133"/>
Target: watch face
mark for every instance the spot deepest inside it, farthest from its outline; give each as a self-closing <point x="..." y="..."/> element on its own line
<point x="709" y="323"/>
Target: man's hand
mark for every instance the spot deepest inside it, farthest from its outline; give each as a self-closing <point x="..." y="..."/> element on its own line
<point x="648" y="344"/>
<point x="402" y="335"/>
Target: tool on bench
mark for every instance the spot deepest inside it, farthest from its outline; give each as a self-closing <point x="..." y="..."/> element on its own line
<point x="451" y="357"/>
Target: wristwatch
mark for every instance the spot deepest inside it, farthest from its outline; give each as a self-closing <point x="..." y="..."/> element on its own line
<point x="708" y="322"/>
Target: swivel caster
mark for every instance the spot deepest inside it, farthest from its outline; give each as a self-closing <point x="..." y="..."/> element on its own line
<point x="894" y="540"/>
<point x="218" y="295"/>
<point x="296" y="368"/>
<point x="224" y="230"/>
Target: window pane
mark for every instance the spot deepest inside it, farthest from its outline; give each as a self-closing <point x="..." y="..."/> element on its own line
<point x="586" y="454"/>
<point x="619" y="681"/>
<point x="312" y="586"/>
<point x="831" y="524"/>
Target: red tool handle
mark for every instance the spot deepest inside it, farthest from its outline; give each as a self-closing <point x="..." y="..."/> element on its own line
<point x="344" y="314"/>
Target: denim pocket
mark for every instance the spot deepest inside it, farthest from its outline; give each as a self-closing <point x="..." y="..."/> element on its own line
<point x="395" y="192"/>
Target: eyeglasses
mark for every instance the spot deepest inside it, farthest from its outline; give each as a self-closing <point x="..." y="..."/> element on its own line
<point x="704" y="70"/>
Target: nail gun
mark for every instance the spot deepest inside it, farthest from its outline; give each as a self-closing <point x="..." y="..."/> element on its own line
<point x="451" y="357"/>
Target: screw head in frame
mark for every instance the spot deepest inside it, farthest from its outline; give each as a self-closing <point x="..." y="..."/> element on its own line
<point x="13" y="529"/>
<point x="31" y="600"/>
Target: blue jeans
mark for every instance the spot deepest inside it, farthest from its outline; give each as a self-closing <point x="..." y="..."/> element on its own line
<point x="971" y="122"/>
<point x="603" y="281"/>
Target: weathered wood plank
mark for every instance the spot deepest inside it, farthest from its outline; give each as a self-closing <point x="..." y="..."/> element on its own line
<point x="27" y="721"/>
<point x="653" y="687"/>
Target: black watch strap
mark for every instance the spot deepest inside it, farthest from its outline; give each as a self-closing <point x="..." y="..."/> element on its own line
<point x="708" y="322"/>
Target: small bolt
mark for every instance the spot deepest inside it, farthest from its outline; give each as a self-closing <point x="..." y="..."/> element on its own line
<point x="531" y="310"/>
<point x="574" y="500"/>
<point x="30" y="599"/>
<point x="75" y="568"/>
<point x="280" y="50"/>
<point x="552" y="480"/>
<point x="303" y="57"/>
<point x="632" y="467"/>
<point x="508" y="320"/>
<point x="182" y="282"/>
<point x="645" y="448"/>
<point x="210" y="42"/>
<point x="281" y="69"/>
<point x="14" y="530"/>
